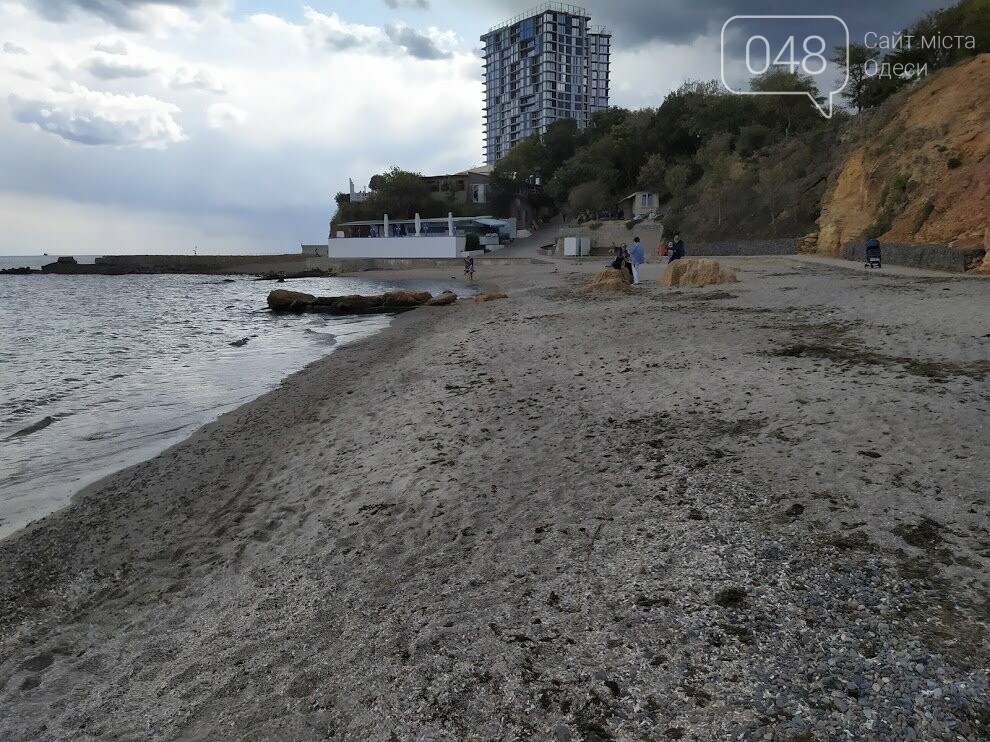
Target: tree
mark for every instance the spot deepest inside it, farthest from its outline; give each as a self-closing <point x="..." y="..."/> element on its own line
<point x="752" y="139"/>
<point x="574" y="172"/>
<point x="855" y="64"/>
<point x="677" y="179"/>
<point x="559" y="144"/>
<point x="651" y="175"/>
<point x="399" y="193"/>
<point x="716" y="158"/>
<point x="590" y="196"/>
<point x="518" y="170"/>
<point x="790" y="110"/>
<point x="769" y="183"/>
<point x="602" y="122"/>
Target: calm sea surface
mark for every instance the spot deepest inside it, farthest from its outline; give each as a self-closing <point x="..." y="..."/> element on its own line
<point x="101" y="372"/>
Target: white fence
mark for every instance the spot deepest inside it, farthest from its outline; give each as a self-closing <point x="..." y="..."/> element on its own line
<point x="396" y="247"/>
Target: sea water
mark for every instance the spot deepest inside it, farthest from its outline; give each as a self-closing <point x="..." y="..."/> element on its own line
<point x="101" y="372"/>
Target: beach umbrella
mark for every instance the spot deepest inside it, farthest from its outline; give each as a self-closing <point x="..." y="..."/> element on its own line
<point x="418" y="224"/>
<point x="386" y="227"/>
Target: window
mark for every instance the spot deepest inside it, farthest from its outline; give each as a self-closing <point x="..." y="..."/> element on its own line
<point x="644" y="199"/>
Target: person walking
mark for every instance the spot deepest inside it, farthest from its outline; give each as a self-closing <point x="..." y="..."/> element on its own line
<point x="636" y="259"/>
<point x="469" y="268"/>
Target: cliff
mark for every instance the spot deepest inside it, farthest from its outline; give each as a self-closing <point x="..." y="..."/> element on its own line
<point x="922" y="176"/>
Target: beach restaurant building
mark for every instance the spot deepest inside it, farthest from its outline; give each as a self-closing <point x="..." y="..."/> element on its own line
<point x="417" y="238"/>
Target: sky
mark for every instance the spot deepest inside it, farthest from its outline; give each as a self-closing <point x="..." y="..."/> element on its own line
<point x="227" y="126"/>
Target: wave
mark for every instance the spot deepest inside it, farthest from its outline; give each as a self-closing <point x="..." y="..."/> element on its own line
<point x="40" y="425"/>
<point x="325" y="338"/>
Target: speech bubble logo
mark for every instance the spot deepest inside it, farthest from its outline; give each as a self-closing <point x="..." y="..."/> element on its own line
<point x="753" y="45"/>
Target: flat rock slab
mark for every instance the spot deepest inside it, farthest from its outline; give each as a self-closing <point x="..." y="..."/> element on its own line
<point x="297" y="302"/>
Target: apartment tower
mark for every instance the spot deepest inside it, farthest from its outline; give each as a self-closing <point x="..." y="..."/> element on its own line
<point x="544" y="65"/>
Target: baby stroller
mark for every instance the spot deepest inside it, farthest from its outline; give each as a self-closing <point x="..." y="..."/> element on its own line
<point x="873" y="253"/>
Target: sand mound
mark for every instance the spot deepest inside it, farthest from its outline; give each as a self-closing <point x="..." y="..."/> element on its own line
<point x="480" y="298"/>
<point x="697" y="272"/>
<point x="609" y="280"/>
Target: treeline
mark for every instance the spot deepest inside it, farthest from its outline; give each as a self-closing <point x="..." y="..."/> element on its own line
<point x="698" y="131"/>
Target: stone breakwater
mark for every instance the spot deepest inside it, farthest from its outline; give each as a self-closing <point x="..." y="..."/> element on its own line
<point x="275" y="266"/>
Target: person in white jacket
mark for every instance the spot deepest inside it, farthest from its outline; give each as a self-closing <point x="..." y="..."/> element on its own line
<point x="636" y="259"/>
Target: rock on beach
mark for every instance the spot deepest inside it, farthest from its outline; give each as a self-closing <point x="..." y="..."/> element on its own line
<point x="281" y="300"/>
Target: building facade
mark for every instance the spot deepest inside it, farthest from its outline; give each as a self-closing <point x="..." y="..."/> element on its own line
<point x="466" y="187"/>
<point x="639" y="204"/>
<point x="545" y="65"/>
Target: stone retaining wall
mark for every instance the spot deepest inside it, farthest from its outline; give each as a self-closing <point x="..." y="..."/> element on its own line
<point x="651" y="233"/>
<point x="930" y="257"/>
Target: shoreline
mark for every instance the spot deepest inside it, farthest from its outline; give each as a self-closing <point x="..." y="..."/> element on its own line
<point x="552" y="512"/>
<point x="92" y="447"/>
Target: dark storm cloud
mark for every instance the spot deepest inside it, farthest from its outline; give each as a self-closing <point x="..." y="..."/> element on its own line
<point x="416" y="43"/>
<point x="637" y="22"/>
<point x="120" y="13"/>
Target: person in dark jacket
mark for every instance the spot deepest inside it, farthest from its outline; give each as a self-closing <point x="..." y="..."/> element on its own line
<point x="617" y="256"/>
<point x="677" y="251"/>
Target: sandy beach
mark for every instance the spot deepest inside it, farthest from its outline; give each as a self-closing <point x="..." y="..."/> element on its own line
<point x="750" y="511"/>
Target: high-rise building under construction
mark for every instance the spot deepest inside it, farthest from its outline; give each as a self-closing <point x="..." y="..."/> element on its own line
<point x="542" y="66"/>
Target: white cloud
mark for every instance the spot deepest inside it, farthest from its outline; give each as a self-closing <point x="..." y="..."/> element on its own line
<point x="637" y="79"/>
<point x="93" y="118"/>
<point x="111" y="46"/>
<point x="413" y="4"/>
<point x="198" y="78"/>
<point x="130" y="15"/>
<point x="107" y="67"/>
<point x="264" y="160"/>
<point x="416" y="43"/>
<point x="9" y="47"/>
<point x="224" y="116"/>
<point x="330" y="32"/>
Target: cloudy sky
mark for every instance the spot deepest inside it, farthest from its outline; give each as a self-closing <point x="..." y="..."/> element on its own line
<point x="133" y="126"/>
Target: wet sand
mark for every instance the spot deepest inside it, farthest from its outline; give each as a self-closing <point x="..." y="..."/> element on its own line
<point x="755" y="511"/>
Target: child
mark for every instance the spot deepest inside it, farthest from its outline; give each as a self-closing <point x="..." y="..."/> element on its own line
<point x="469" y="268"/>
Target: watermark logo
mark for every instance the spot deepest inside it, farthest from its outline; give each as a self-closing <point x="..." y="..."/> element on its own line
<point x="754" y="45"/>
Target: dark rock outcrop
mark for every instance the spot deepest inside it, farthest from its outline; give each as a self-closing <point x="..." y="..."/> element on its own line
<point x="391" y="301"/>
<point x="281" y="300"/>
<point x="442" y="300"/>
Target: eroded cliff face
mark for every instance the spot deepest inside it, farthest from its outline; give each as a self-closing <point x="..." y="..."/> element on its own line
<point x="924" y="177"/>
